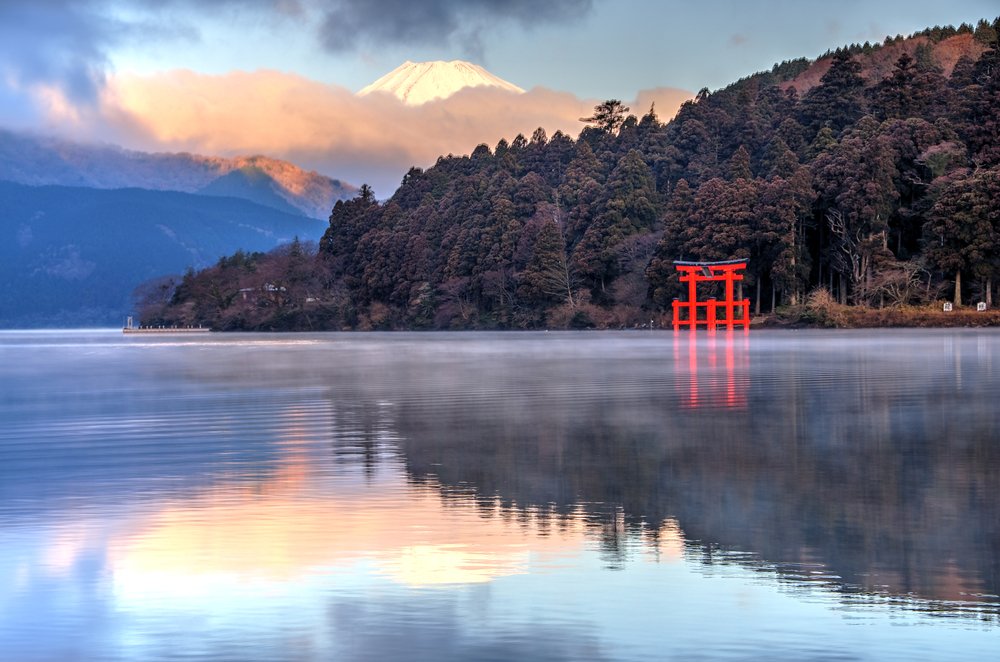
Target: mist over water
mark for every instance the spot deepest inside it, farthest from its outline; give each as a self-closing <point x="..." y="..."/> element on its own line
<point x="538" y="496"/>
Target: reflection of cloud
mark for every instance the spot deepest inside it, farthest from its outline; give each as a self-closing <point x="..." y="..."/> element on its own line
<point x="274" y="536"/>
<point x="68" y="544"/>
<point x="668" y="543"/>
<point x="433" y="565"/>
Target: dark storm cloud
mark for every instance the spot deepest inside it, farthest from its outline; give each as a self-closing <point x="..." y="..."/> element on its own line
<point x="356" y="23"/>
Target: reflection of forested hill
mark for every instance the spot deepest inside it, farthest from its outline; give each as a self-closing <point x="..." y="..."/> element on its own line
<point x="887" y="485"/>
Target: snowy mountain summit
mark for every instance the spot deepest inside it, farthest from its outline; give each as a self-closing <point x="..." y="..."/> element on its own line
<point x="416" y="83"/>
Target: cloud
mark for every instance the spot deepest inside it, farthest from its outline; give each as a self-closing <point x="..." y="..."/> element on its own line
<point x="58" y="52"/>
<point x="321" y="126"/>
<point x="665" y="100"/>
<point x="56" y="75"/>
<point x="55" y="42"/>
<point x="67" y="43"/>
<point x="350" y="24"/>
<point x="66" y="46"/>
<point x="373" y="139"/>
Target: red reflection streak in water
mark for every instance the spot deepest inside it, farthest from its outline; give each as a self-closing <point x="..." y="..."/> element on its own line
<point x="714" y="391"/>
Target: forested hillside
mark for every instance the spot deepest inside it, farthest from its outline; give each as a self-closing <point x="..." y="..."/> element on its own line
<point x="872" y="174"/>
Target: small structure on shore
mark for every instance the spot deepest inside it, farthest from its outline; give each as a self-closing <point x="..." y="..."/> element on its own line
<point x="131" y="328"/>
<point x="734" y="312"/>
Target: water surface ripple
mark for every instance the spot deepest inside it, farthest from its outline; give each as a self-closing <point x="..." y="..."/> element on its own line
<point x="820" y="495"/>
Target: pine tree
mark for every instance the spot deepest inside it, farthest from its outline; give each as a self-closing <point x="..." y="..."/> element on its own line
<point x="893" y="96"/>
<point x="739" y="165"/>
<point x="608" y="116"/>
<point x="837" y="101"/>
<point x="547" y="278"/>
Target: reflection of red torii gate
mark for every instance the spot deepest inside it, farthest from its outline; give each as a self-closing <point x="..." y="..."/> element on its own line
<point x="727" y="272"/>
<point x="724" y="385"/>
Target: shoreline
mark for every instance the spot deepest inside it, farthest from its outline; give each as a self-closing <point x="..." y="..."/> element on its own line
<point x="836" y="316"/>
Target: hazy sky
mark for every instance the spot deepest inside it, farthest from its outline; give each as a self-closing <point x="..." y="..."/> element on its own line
<point x="174" y="74"/>
<point x="592" y="48"/>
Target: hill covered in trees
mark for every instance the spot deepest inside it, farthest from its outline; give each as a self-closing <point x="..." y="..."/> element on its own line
<point x="870" y="174"/>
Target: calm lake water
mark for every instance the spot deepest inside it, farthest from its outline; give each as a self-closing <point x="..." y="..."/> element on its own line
<point x="802" y="495"/>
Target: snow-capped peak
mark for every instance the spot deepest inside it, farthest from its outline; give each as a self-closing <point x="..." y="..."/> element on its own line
<point x="416" y="83"/>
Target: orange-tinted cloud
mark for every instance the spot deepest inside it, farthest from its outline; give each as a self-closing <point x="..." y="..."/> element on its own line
<point x="666" y="99"/>
<point x="326" y="127"/>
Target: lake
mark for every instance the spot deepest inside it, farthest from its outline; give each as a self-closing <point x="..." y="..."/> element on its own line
<point x="787" y="495"/>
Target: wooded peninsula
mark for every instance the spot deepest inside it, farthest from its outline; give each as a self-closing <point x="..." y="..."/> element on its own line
<point x="862" y="184"/>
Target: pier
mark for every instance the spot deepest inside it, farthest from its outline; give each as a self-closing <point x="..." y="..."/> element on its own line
<point x="131" y="328"/>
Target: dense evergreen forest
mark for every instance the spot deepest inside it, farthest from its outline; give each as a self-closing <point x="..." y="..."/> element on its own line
<point x="869" y="177"/>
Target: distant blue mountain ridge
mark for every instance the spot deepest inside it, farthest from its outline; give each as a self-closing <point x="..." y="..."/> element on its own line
<point x="32" y="159"/>
<point x="72" y="256"/>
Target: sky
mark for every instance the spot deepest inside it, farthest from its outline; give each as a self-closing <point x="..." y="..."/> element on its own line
<point x="230" y="77"/>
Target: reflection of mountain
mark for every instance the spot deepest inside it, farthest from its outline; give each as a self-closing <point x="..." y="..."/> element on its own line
<point x="851" y="467"/>
<point x="841" y="464"/>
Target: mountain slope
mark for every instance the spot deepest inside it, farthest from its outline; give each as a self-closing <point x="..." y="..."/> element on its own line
<point x="253" y="184"/>
<point x="72" y="256"/>
<point x="416" y="83"/>
<point x="40" y="160"/>
<point x="877" y="64"/>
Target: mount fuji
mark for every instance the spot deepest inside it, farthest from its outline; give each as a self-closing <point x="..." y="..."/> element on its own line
<point x="416" y="83"/>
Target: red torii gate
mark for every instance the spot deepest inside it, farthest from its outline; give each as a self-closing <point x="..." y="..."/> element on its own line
<point x="728" y="272"/>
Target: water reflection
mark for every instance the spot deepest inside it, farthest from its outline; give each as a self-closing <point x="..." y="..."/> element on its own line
<point x="723" y="359"/>
<point x="593" y="496"/>
<point x="866" y="473"/>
